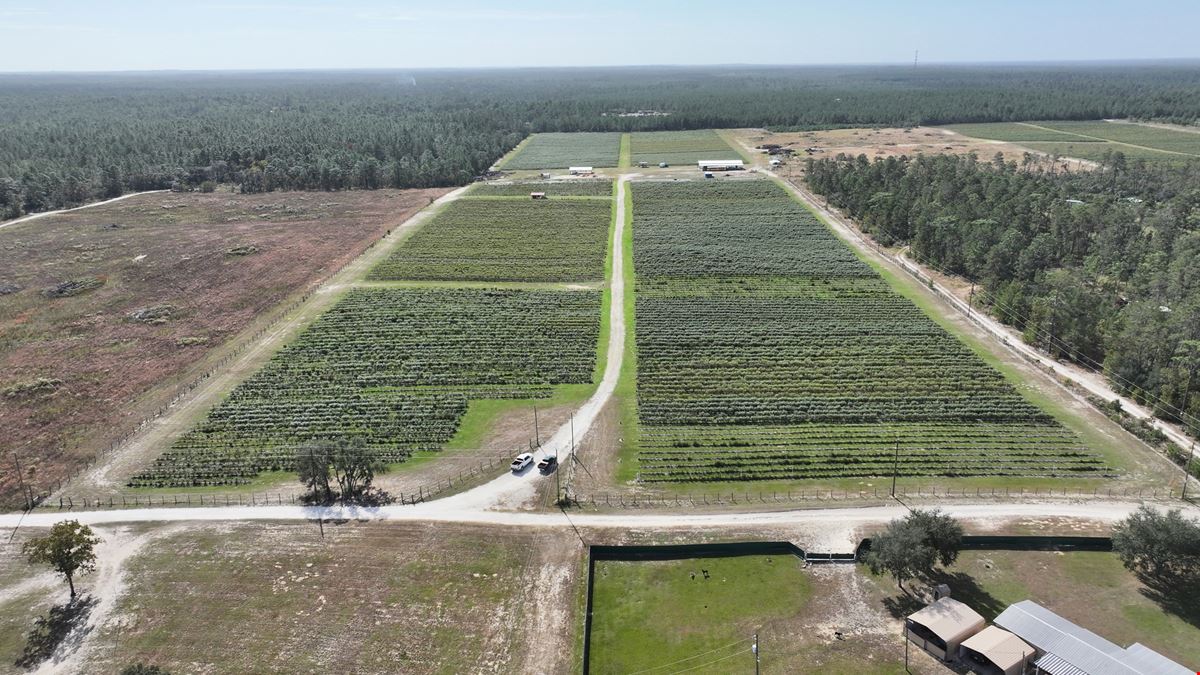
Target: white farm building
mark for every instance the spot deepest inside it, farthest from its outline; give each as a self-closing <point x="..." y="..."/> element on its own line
<point x="721" y="164"/>
<point x="580" y="170"/>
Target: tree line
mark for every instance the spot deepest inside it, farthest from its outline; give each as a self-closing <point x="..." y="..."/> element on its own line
<point x="1101" y="267"/>
<point x="69" y="139"/>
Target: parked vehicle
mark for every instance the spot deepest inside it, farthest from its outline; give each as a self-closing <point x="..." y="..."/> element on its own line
<point x="548" y="463"/>
<point x="523" y="460"/>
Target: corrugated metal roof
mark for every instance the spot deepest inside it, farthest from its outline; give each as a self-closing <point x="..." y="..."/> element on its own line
<point x="1073" y="650"/>
<point x="1000" y="647"/>
<point x="1150" y="662"/>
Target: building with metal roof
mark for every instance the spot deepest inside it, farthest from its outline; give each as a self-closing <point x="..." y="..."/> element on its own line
<point x="721" y="164"/>
<point x="942" y="626"/>
<point x="1067" y="649"/>
<point x="995" y="651"/>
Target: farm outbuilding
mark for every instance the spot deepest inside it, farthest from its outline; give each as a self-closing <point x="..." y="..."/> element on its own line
<point x="720" y="164"/>
<point x="580" y="170"/>
<point x="942" y="626"/>
<point x="537" y="195"/>
<point x="995" y="651"/>
<point x="1064" y="648"/>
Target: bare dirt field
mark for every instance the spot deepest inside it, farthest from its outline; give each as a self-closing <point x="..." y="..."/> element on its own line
<point x="105" y="311"/>
<point x="892" y="142"/>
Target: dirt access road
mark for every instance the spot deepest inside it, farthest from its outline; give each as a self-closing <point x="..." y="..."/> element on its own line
<point x="44" y="214"/>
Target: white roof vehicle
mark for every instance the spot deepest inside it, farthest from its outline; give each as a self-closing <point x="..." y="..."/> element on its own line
<point x="523" y="460"/>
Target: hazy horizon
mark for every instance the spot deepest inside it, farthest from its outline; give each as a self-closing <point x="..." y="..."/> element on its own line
<point x="70" y="36"/>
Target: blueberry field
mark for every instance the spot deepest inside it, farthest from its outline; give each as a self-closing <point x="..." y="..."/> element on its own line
<point x="679" y="147"/>
<point x="506" y="240"/>
<point x="586" y="187"/>
<point x="767" y="351"/>
<point x="562" y="150"/>
<point x="395" y="367"/>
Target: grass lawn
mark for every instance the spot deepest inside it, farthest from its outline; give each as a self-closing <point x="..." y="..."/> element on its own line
<point x="651" y="613"/>
<point x="1092" y="589"/>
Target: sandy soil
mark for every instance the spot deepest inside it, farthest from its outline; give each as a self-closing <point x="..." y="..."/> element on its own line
<point x="105" y="371"/>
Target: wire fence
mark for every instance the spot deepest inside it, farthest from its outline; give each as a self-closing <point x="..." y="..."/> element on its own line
<point x="633" y="500"/>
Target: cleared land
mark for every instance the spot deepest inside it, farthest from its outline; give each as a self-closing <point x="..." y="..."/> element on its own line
<point x="679" y="147"/>
<point x="365" y="598"/>
<point x="396" y="367"/>
<point x="480" y="239"/>
<point x="1092" y="589"/>
<point x="559" y="188"/>
<point x="767" y="351"/>
<point x="107" y="309"/>
<point x="1092" y="140"/>
<point x="562" y="150"/>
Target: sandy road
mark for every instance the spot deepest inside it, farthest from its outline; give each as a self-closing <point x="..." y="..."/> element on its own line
<point x="43" y="214"/>
<point x="513" y="490"/>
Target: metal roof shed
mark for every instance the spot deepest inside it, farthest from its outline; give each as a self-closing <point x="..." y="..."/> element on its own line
<point x="1072" y="650"/>
<point x="939" y="628"/>
<point x="995" y="650"/>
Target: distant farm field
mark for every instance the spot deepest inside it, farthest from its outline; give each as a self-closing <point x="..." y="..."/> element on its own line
<point x="1092" y="140"/>
<point x="679" y="147"/>
<point x="562" y="150"/>
<point x="767" y="351"/>
<point x="394" y="367"/>
<point x="104" y="309"/>
<point x="506" y="240"/>
<point x="588" y="187"/>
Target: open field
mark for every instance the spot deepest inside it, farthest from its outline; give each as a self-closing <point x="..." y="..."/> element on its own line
<point x="562" y="150"/>
<point x="474" y="239"/>
<point x="396" y="367"/>
<point x="768" y="351"/>
<point x="679" y="147"/>
<point x="117" y="305"/>
<point x="587" y="187"/>
<point x="892" y="142"/>
<point x="1092" y="140"/>
<point x="364" y="598"/>
<point x="1092" y="589"/>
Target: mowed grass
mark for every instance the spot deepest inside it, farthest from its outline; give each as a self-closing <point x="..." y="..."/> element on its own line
<point x="1091" y="140"/>
<point x="679" y="147"/>
<point x="1091" y="589"/>
<point x="478" y="239"/>
<point x="650" y="613"/>
<point x="562" y="150"/>
<point x="365" y="598"/>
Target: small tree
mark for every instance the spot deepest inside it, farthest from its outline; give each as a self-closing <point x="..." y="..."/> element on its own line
<point x="355" y="466"/>
<point x="900" y="550"/>
<point x="314" y="463"/>
<point x="1158" y="544"/>
<point x="69" y="548"/>
<point x="143" y="669"/>
<point x="911" y="547"/>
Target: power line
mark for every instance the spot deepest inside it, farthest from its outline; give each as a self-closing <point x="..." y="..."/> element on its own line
<point x="694" y="656"/>
<point x="723" y="658"/>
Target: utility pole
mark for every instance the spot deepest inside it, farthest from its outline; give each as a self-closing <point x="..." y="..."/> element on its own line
<point x="756" y="657"/>
<point x="21" y="478"/>
<point x="896" y="467"/>
<point x="971" y="300"/>
<point x="537" y="436"/>
<point x="1187" y="469"/>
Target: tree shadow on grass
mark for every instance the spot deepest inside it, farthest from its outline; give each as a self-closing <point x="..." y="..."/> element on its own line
<point x="1178" y="595"/>
<point x="62" y="625"/>
<point x="963" y="588"/>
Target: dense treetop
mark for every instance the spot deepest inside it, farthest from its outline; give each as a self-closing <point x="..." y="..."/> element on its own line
<point x="66" y="139"/>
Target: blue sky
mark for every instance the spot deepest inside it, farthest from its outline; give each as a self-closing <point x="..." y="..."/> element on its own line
<point x="42" y="35"/>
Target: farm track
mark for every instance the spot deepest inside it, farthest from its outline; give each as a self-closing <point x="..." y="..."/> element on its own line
<point x="44" y="214"/>
<point x="152" y="439"/>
